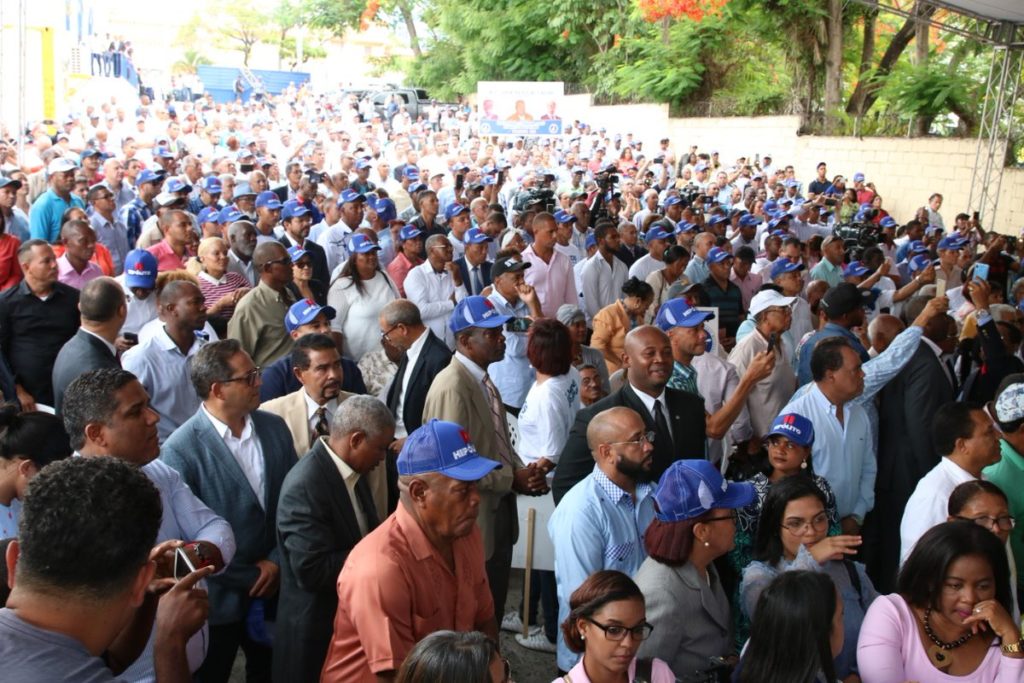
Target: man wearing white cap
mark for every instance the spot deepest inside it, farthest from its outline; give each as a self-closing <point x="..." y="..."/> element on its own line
<point x="772" y="313"/>
<point x="44" y="217"/>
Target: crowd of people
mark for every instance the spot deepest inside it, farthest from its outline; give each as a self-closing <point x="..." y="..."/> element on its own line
<point x="280" y="376"/>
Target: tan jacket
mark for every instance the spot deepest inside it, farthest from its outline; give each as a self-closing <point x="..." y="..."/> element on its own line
<point x="456" y="396"/>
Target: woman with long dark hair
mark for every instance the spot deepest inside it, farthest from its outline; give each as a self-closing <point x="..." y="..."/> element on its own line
<point x="950" y="617"/>
<point x="796" y="633"/>
<point x="791" y="536"/>
<point x="357" y="296"/>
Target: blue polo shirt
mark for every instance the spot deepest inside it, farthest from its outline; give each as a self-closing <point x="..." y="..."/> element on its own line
<point x="44" y="217"/>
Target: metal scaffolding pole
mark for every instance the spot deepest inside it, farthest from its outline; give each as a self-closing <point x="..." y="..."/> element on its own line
<point x="994" y="131"/>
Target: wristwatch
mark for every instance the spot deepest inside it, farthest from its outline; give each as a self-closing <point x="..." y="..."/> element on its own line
<point x="1013" y="648"/>
<point x="197" y="549"/>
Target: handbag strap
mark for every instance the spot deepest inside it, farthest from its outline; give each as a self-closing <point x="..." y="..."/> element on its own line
<point x="644" y="665"/>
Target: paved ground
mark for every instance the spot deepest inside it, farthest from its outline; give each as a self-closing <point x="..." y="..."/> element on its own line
<point x="527" y="666"/>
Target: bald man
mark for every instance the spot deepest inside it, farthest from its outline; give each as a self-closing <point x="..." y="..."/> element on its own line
<point x="676" y="417"/>
<point x="258" y="322"/>
<point x="881" y="331"/>
<point x="600" y="523"/>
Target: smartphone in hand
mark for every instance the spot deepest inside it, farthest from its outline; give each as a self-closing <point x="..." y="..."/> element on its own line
<point x="182" y="564"/>
<point x="981" y="271"/>
<point x="773" y="340"/>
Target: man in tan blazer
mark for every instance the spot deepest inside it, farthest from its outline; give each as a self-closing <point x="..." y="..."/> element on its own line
<point x="463" y="393"/>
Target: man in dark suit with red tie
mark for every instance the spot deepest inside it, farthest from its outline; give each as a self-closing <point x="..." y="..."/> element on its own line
<point x="325" y="509"/>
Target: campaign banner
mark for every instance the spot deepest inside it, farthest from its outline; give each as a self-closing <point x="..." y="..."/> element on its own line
<point x="521" y="108"/>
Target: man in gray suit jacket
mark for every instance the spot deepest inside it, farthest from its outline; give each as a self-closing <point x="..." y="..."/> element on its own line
<point x="326" y="508"/>
<point x="235" y="458"/>
<point x="93" y="347"/>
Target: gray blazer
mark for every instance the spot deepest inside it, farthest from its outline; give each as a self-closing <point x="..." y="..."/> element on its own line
<point x="81" y="353"/>
<point x="691" y="619"/>
<point x="198" y="453"/>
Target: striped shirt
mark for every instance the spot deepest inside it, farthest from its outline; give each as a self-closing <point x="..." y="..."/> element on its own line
<point x="214" y="290"/>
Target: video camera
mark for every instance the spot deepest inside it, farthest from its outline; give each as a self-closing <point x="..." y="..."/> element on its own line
<point x="535" y="195"/>
<point x="858" y="235"/>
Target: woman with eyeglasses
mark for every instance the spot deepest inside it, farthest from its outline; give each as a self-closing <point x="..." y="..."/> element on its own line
<point x="798" y="631"/>
<point x="982" y="502"/>
<point x="303" y="284"/>
<point x="694" y="524"/>
<point x="950" y="617"/>
<point x="357" y="295"/>
<point x="789" y="443"/>
<point x="607" y="623"/>
<point x="792" y="535"/>
<point x="453" y="657"/>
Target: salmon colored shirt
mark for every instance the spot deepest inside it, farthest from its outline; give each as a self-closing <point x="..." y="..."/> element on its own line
<point x="394" y="590"/>
<point x="166" y="259"/>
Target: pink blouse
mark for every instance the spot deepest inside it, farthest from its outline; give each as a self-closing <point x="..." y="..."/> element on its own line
<point x="890" y="651"/>
<point x="660" y="673"/>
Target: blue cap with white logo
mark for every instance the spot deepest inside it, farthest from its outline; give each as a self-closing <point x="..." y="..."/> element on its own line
<point x="348" y="196"/>
<point x="476" y="311"/>
<point x="209" y="214"/>
<point x="268" y="200"/>
<point x="409" y="232"/>
<point x="718" y="255"/>
<point x="919" y="262"/>
<point x="210" y="184"/>
<point x="690" y="488"/>
<point x="148" y="176"/>
<point x="385" y="209"/>
<point x="672" y="200"/>
<point x="293" y="209"/>
<point x="361" y="244"/>
<point x="677" y="313"/>
<point x="954" y="242"/>
<point x="140" y="269"/>
<point x="855" y="269"/>
<point x="229" y="214"/>
<point x="303" y="312"/>
<point x="784" y="265"/>
<point x="476" y="236"/>
<point x="562" y="216"/>
<point x="444" y="448"/>
<point x="454" y="210"/>
<point x="794" y="427"/>
<point x="656" y="233"/>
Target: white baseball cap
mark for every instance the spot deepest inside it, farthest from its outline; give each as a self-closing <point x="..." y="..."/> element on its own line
<point x="768" y="298"/>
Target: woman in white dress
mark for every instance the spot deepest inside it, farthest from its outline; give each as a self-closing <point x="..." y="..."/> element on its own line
<point x="357" y="296"/>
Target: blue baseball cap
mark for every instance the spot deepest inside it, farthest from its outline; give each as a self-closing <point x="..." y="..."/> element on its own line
<point x="916" y="247"/>
<point x="672" y="200"/>
<point x="476" y="236"/>
<point x="361" y="244"/>
<point x="562" y="216"/>
<point x="685" y="226"/>
<point x="89" y="152"/>
<point x="717" y="218"/>
<point x="952" y="242"/>
<point x="717" y="255"/>
<point x="678" y="313"/>
<point x="770" y="205"/>
<point x="209" y="214"/>
<point x="417" y="187"/>
<point x="230" y="214"/>
<point x="148" y="176"/>
<point x="888" y="222"/>
<point x="268" y="200"/>
<point x="476" y="311"/>
<point x="244" y="190"/>
<point x="689" y="488"/>
<point x="177" y="185"/>
<point x="444" y="448"/>
<point x="919" y="262"/>
<point x="858" y="177"/>
<point x="295" y="253"/>
<point x="794" y="427"/>
<point x="293" y="209"/>
<point x="749" y="220"/>
<point x="656" y="233"/>
<point x="303" y="312"/>
<point x="210" y="184"/>
<point x="591" y="241"/>
<point x="245" y="153"/>
<point x="411" y="172"/>
<point x="163" y="153"/>
<point x="784" y="265"/>
<point x="855" y="269"/>
<point x="409" y="232"/>
<point x="349" y="196"/>
<point x="140" y="269"/>
<point x="362" y="164"/>
<point x="385" y="209"/>
<point x="454" y="210"/>
<point x="490" y="180"/>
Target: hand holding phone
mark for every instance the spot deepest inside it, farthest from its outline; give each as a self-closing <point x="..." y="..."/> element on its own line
<point x="980" y="271"/>
<point x="183" y="565"/>
<point x="773" y="339"/>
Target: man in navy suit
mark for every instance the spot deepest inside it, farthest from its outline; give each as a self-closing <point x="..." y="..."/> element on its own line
<point x="295" y="217"/>
<point x="235" y="458"/>
<point x="474" y="266"/>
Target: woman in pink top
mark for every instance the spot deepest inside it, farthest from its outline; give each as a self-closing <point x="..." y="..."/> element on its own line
<point x="950" y="620"/>
<point x="607" y="622"/>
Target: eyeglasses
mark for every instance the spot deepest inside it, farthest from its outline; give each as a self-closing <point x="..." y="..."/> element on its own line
<point x="278" y="262"/>
<point x="303" y="264"/>
<point x="721" y="519"/>
<point x="797" y="526"/>
<point x="641" y="631"/>
<point x="1005" y="523"/>
<point x="249" y="378"/>
<point x="646" y="436"/>
<point x="384" y="335"/>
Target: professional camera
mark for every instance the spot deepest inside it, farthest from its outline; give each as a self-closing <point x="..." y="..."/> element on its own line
<point x="858" y="235"/>
<point x="689" y="194"/>
<point x="607" y="179"/>
<point x="535" y="196"/>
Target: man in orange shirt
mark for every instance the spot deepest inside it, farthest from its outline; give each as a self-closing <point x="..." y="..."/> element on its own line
<point x="420" y="571"/>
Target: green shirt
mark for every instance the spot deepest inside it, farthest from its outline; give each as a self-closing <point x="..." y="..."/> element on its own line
<point x="1008" y="474"/>
<point x="831" y="274"/>
<point x="258" y="323"/>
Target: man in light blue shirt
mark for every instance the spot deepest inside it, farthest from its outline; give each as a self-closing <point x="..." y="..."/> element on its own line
<point x="844" y="310"/>
<point x="600" y="523"/>
<point x="44" y="216"/>
<point x="843" y="451"/>
<point x="513" y="297"/>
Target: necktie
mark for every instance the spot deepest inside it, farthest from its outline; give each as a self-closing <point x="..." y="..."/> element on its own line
<point x="366" y="504"/>
<point x="474" y="279"/>
<point x="661" y="424"/>
<point x="320" y="427"/>
<point x="498" y="420"/>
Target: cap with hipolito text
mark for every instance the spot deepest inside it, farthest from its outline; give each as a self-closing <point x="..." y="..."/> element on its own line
<point x="690" y="488"/>
<point x="476" y="236"/>
<point x="794" y="427"/>
<point x="304" y="312"/>
<point x="677" y="313"/>
<point x="718" y="255"/>
<point x="268" y="199"/>
<point x="444" y="448"/>
<point x="361" y="244"/>
<point x="476" y="311"/>
<point x="140" y="269"/>
<point x="784" y="265"/>
<point x="229" y="214"/>
<point x="855" y="269"/>
<point x="209" y="214"/>
<point x="293" y="209"/>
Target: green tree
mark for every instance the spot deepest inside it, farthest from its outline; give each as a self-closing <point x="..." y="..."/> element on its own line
<point x="189" y="62"/>
<point x="241" y="27"/>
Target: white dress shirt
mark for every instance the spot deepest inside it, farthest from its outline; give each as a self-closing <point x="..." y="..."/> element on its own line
<point x="717" y="381"/>
<point x="412" y="356"/>
<point x="649" y="401"/>
<point x="431" y="292"/>
<point x="351" y="478"/>
<point x="929" y="503"/>
<point x="311" y="408"/>
<point x="602" y="283"/>
<point x="247" y="452"/>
